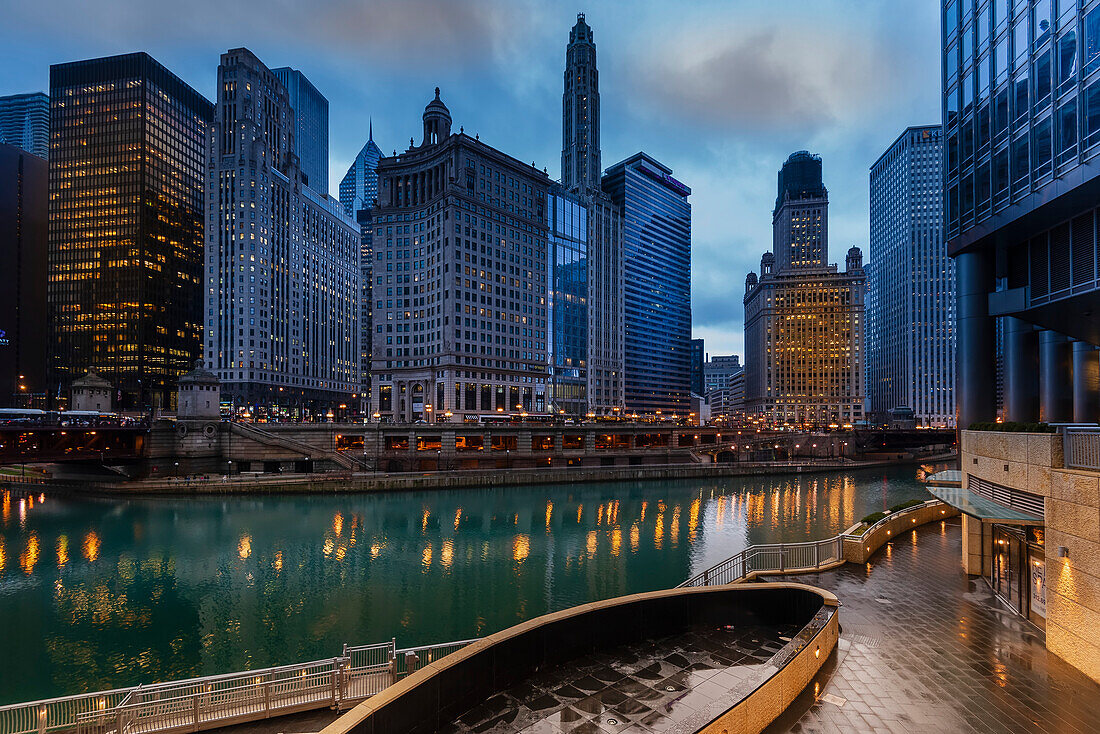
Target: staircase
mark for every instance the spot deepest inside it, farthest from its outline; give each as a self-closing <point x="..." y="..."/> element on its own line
<point x="267" y="438"/>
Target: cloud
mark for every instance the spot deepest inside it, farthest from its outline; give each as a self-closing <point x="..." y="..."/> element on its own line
<point x="752" y="84"/>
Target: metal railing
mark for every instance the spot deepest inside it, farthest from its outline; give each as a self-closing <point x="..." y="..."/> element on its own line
<point x="788" y="557"/>
<point x="359" y="672"/>
<point x="774" y="557"/>
<point x="1081" y="449"/>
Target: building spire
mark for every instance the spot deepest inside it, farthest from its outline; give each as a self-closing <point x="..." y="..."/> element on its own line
<point x="370" y="131"/>
<point x="581" y="166"/>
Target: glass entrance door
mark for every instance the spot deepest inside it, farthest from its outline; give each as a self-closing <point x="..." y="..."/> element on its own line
<point x="1008" y="561"/>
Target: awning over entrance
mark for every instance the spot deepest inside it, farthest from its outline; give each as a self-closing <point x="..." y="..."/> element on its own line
<point x="974" y="505"/>
<point x="946" y="478"/>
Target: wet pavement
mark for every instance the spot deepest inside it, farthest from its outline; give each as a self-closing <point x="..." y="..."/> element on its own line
<point x="924" y="647"/>
<point x="672" y="684"/>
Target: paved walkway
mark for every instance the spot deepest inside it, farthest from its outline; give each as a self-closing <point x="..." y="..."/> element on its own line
<point x="923" y="647"/>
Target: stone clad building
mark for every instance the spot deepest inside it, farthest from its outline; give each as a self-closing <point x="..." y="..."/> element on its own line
<point x="460" y="280"/>
<point x="282" y="260"/>
<point x="804" y="320"/>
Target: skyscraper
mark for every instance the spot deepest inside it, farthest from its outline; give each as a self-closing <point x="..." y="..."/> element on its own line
<point x="25" y="122"/>
<point x="698" y="358"/>
<point x="567" y="287"/>
<point x="23" y="207"/>
<point x="657" y="277"/>
<point x="358" y="194"/>
<point x="1021" y="114"/>
<point x="127" y="163"/>
<point x="804" y="325"/>
<point x="359" y="187"/>
<point x="580" y="155"/>
<point x="282" y="261"/>
<point x="911" y="284"/>
<point x="460" y="279"/>
<point x="581" y="175"/>
<point x="310" y="127"/>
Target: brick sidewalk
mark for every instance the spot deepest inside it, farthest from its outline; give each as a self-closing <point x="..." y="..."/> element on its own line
<point x="925" y="648"/>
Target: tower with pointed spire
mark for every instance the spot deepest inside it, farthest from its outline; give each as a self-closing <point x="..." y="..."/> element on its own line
<point x="580" y="155"/>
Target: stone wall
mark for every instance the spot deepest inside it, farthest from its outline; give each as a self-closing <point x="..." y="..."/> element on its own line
<point x="1033" y="462"/>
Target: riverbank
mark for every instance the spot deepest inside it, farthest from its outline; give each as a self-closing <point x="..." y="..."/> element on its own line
<point x="361" y="482"/>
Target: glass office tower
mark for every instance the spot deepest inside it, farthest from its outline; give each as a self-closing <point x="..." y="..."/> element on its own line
<point x="1021" y="112"/>
<point x="310" y="127"/>
<point x="25" y="122"/>
<point x="567" y="313"/>
<point x="127" y="163"/>
<point x="911" y="284"/>
<point x="657" y="277"/>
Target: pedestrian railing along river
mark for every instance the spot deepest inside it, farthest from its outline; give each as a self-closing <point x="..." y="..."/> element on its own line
<point x="357" y="673"/>
<point x="772" y="558"/>
<point x="777" y="558"/>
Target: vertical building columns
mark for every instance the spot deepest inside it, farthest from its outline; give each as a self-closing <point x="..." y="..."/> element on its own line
<point x="1086" y="383"/>
<point x="1021" y="365"/>
<point x="976" y="374"/>
<point x="1055" y="377"/>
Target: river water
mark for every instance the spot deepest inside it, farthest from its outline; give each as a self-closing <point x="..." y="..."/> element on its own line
<point x="101" y="593"/>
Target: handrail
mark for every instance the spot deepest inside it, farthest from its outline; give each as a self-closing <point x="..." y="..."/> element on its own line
<point x="194" y="704"/>
<point x="271" y="439"/>
<point x="787" y="557"/>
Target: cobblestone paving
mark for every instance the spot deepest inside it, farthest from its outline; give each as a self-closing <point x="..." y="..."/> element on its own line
<point x="925" y="648"/>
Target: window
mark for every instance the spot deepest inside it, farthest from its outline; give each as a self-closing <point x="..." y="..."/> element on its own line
<point x="1067" y="131"/>
<point x="1042" y="21"/>
<point x="1040" y="147"/>
<point x="1042" y="81"/>
<point x="1067" y="60"/>
<point x="1091" y="60"/>
<point x="1092" y="115"/>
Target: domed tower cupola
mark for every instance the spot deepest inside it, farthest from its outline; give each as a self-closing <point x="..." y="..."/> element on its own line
<point x="767" y="263"/>
<point x="437" y="121"/>
<point x="854" y="261"/>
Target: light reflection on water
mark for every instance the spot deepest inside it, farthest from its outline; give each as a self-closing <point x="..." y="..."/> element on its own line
<point x="195" y="586"/>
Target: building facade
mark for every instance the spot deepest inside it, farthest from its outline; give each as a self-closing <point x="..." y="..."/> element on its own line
<point x="25" y="122"/>
<point x="460" y="280"/>
<point x="23" y="235"/>
<point x="698" y="358"/>
<point x="1021" y="115"/>
<point x="358" y="193"/>
<point x="282" y="261"/>
<point x="310" y="127"/>
<point x="126" y="169"/>
<point x="657" y="284"/>
<point x="911" y="285"/>
<point x="719" y="373"/>
<point x="567" y="288"/>
<point x="581" y="176"/>
<point x="804" y="320"/>
<point x="580" y="156"/>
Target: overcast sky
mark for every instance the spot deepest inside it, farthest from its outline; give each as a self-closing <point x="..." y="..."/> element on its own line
<point x="720" y="91"/>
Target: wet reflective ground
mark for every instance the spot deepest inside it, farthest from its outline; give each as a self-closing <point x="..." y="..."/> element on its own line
<point x="923" y="647"/>
<point x="97" y="594"/>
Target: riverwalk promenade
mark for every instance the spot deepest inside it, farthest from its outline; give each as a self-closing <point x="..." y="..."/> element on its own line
<point x="924" y="647"/>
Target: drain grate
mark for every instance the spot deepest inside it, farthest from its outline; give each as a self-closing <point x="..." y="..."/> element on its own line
<point x="867" y="640"/>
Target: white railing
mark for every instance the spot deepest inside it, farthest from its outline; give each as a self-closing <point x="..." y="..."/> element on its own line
<point x="359" y="672"/>
<point x="1081" y="449"/>
<point x="788" y="557"/>
<point x="774" y="557"/>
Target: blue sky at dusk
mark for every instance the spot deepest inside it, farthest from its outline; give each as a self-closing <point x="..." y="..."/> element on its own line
<point x="721" y="92"/>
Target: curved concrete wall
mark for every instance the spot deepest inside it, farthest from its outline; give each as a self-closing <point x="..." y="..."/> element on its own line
<point x="436" y="694"/>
